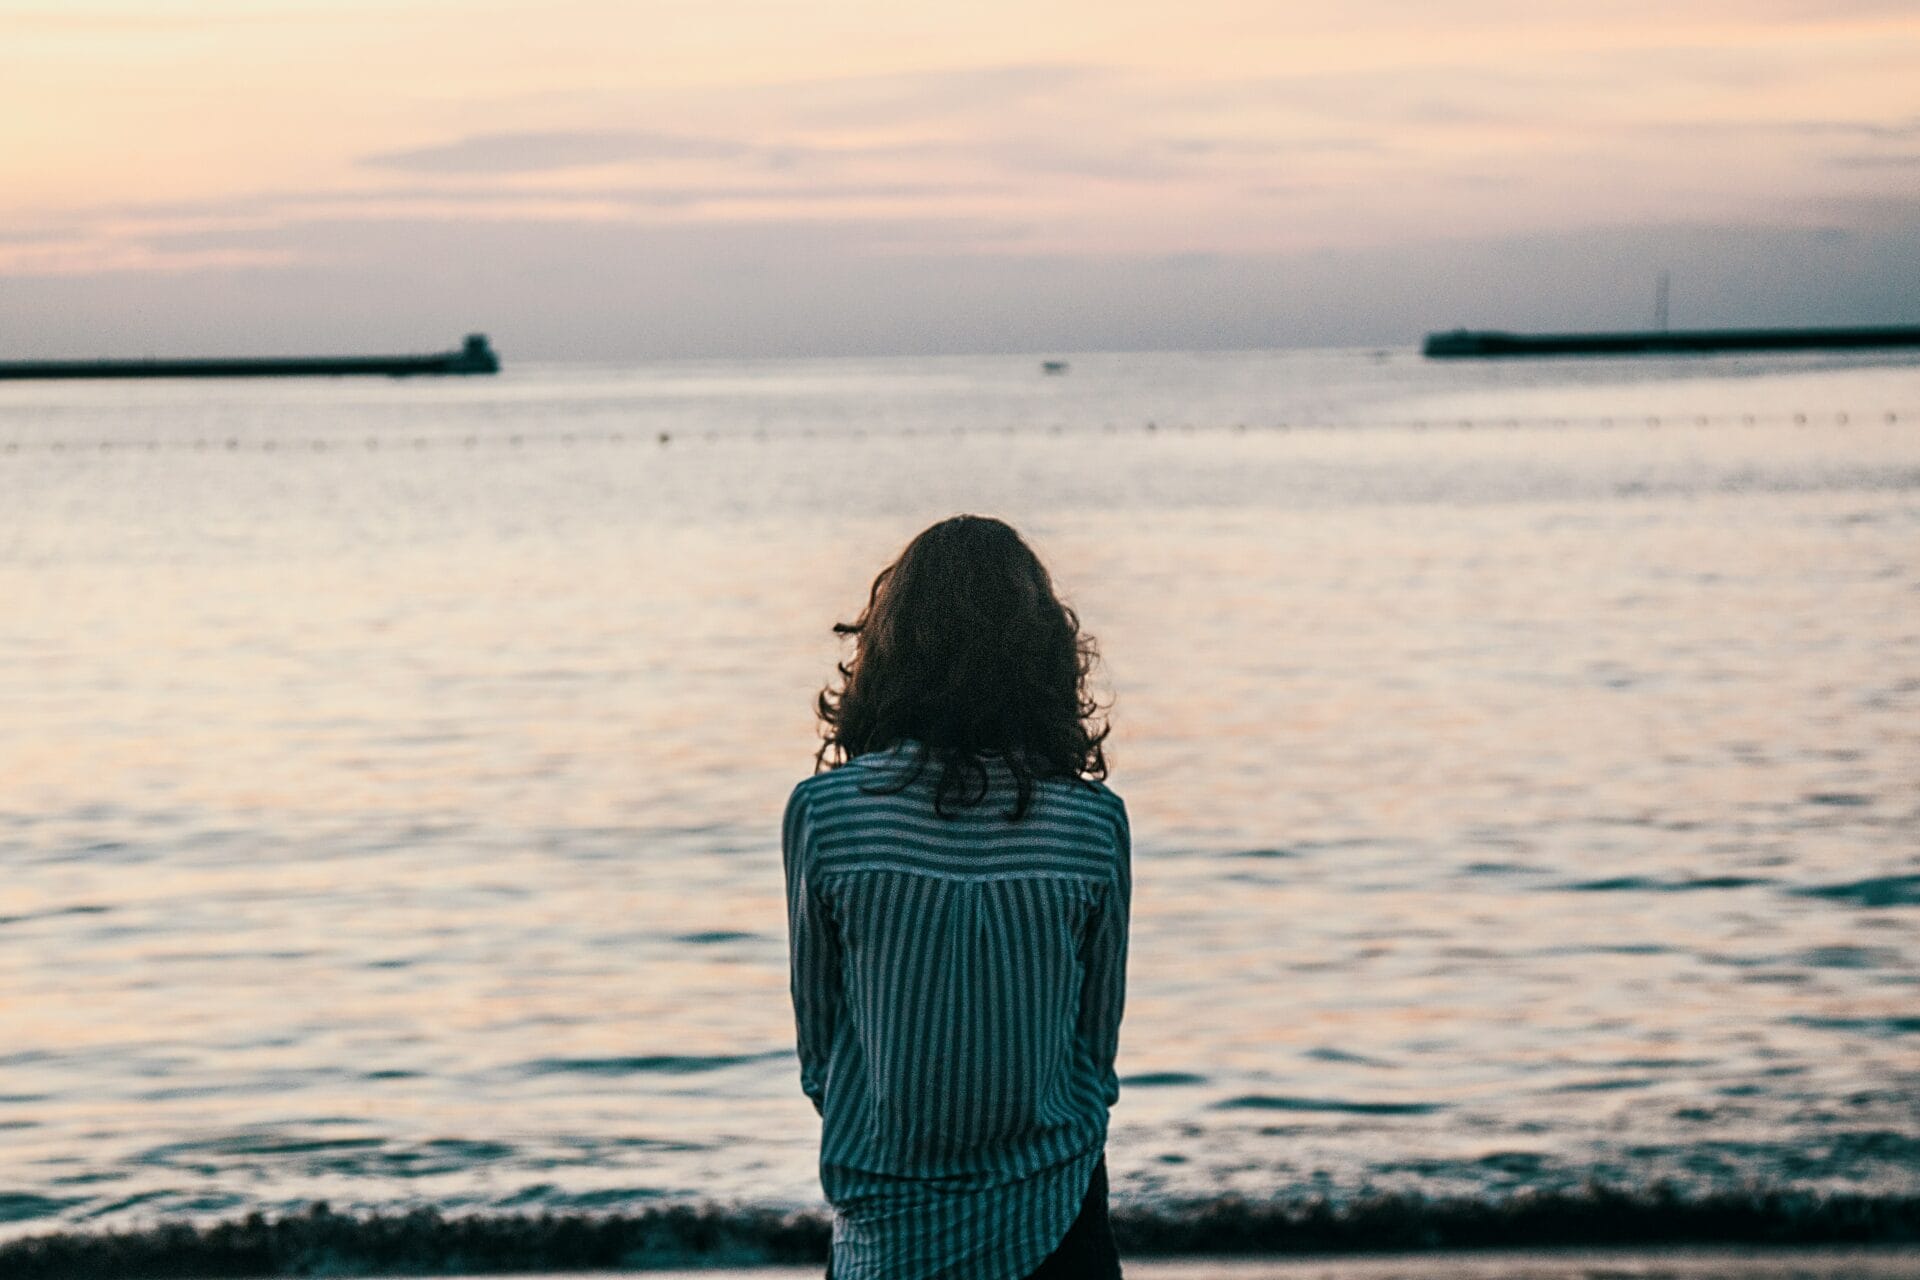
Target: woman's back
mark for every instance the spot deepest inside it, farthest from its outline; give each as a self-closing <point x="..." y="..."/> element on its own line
<point x="981" y="963"/>
<point x="958" y="887"/>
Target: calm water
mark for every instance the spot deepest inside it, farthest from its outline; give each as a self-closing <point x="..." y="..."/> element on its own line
<point x="390" y="772"/>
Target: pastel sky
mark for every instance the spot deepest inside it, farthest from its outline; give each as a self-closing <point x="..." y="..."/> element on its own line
<point x="599" y="180"/>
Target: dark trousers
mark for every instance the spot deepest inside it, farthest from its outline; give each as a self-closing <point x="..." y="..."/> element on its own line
<point x="1087" y="1251"/>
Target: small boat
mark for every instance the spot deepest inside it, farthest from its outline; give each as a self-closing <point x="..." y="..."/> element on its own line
<point x="1053" y="368"/>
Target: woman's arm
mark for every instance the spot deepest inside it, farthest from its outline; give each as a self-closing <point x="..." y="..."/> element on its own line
<point x="1103" y="998"/>
<point x="813" y="949"/>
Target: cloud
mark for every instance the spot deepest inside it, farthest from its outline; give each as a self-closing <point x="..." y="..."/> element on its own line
<point x="84" y="258"/>
<point x="58" y="22"/>
<point x="540" y="240"/>
<point x="546" y="151"/>
<point x="1886" y="160"/>
<point x="1873" y="130"/>
<point x="34" y="235"/>
<point x="350" y="202"/>
<point x="918" y="97"/>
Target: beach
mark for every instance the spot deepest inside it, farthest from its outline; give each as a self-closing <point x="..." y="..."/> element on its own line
<point x="1900" y="1263"/>
<point x="1849" y="1264"/>
<point x="1678" y="1264"/>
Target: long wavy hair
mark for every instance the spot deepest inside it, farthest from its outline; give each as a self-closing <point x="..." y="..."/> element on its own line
<point x="965" y="650"/>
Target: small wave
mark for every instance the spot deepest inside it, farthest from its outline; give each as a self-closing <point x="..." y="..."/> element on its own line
<point x="1849" y="957"/>
<point x="1658" y="1064"/>
<point x="255" y="1144"/>
<point x="356" y="1157"/>
<point x="1608" y="949"/>
<point x="424" y="1241"/>
<point x="78" y="909"/>
<point x="1878" y="891"/>
<point x="1623" y="884"/>
<point x="1605" y="1086"/>
<point x="1161" y="1079"/>
<point x="1327" y="1054"/>
<point x="1272" y="1102"/>
<point x="1872" y="1026"/>
<point x="673" y="1064"/>
<point x="21" y="1206"/>
<point x="549" y="1197"/>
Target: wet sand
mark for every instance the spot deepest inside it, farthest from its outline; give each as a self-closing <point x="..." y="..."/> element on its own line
<point x="1899" y="1262"/>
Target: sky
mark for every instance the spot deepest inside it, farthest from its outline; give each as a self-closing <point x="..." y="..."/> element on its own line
<point x="600" y="180"/>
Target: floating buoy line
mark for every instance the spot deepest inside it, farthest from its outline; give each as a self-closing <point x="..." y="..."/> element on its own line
<point x="662" y="439"/>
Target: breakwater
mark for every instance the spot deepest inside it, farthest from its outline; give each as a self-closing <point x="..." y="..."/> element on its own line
<point x="1470" y="343"/>
<point x="475" y="355"/>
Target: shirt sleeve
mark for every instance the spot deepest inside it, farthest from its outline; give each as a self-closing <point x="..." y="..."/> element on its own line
<point x="813" y="950"/>
<point x="1103" y="995"/>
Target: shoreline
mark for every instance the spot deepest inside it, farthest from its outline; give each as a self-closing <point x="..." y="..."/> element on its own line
<point x="1352" y="1240"/>
<point x="1889" y="1262"/>
<point x="1865" y="1262"/>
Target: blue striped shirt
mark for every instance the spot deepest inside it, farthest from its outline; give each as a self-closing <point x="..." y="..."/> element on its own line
<point x="957" y="990"/>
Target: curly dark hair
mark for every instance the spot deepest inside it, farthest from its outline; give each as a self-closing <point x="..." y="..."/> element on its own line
<point x="965" y="650"/>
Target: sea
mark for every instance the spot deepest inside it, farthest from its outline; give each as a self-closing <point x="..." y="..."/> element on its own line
<point x="1523" y="760"/>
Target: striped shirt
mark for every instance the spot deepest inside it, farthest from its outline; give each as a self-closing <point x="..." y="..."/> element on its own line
<point x="957" y="990"/>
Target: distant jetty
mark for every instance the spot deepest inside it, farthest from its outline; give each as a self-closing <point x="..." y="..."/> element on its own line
<point x="1470" y="343"/>
<point x="474" y="356"/>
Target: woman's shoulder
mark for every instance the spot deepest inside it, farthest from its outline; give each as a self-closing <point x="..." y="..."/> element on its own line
<point x="1091" y="793"/>
<point x="816" y="786"/>
<point x="853" y="778"/>
<point x="1099" y="787"/>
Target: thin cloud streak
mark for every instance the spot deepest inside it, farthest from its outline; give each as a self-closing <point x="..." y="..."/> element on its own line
<point x="543" y="152"/>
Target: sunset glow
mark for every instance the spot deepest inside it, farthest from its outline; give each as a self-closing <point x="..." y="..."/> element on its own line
<point x="167" y="139"/>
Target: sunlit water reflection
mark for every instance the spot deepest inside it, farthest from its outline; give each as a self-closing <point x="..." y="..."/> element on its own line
<point x="394" y="823"/>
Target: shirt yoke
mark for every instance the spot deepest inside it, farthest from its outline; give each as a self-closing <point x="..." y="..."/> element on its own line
<point x="1073" y="829"/>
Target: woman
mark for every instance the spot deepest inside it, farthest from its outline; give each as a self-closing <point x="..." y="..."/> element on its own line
<point x="958" y="885"/>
